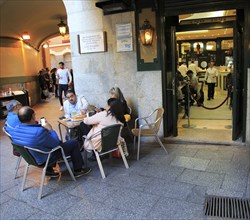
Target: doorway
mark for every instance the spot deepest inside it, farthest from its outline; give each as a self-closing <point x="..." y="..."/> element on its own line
<point x="200" y="44"/>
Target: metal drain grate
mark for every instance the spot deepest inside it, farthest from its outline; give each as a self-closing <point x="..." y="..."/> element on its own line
<point x="227" y="207"/>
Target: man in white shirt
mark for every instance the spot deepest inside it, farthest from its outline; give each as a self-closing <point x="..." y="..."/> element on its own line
<point x="65" y="79"/>
<point x="192" y="66"/>
<point x="74" y="105"/>
<point x="183" y="69"/>
<point x="211" y="79"/>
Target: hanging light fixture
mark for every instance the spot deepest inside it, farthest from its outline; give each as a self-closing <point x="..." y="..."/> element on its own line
<point x="146" y="33"/>
<point x="62" y="28"/>
<point x="26" y="36"/>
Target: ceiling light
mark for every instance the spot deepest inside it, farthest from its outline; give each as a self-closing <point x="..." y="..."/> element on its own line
<point x="209" y="47"/>
<point x="192" y="32"/>
<point x="26" y="36"/>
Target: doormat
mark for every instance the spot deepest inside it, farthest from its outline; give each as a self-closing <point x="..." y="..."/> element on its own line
<point x="227" y="207"/>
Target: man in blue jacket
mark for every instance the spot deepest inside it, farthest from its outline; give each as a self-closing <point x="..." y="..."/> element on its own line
<point x="30" y="133"/>
<point x="12" y="120"/>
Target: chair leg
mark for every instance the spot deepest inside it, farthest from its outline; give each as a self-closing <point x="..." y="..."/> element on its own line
<point x="24" y="176"/>
<point x="134" y="143"/>
<point x="100" y="165"/>
<point x="138" y="146"/>
<point x="129" y="131"/>
<point x="68" y="167"/>
<point x="41" y="184"/>
<point x="85" y="156"/>
<point x="123" y="157"/>
<point x="18" y="161"/>
<point x="159" y="141"/>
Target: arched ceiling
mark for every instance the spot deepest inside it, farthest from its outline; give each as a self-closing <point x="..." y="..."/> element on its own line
<point x="37" y="17"/>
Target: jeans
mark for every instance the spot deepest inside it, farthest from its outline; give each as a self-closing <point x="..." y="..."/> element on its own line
<point x="61" y="88"/>
<point x="70" y="148"/>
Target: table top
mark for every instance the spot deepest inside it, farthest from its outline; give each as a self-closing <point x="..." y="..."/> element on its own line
<point x="70" y="124"/>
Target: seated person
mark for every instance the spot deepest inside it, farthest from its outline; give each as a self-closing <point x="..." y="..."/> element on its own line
<point x="12" y="120"/>
<point x="74" y="105"/>
<point x="179" y="85"/>
<point x="112" y="115"/>
<point x="189" y="90"/>
<point x="31" y="134"/>
<point x="115" y="92"/>
<point x="193" y="85"/>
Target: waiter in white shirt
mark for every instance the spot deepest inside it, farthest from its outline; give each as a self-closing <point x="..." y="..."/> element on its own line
<point x="192" y="66"/>
<point x="65" y="79"/>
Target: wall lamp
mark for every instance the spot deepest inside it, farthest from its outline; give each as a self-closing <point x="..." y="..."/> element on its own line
<point x="62" y="28"/>
<point x="146" y="33"/>
<point x="26" y="36"/>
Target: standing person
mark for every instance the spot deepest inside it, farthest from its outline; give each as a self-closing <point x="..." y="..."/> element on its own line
<point x="71" y="86"/>
<point x="46" y="76"/>
<point x="229" y="85"/>
<point x="54" y="81"/>
<point x="210" y="78"/>
<point x="65" y="80"/>
<point x="34" y="135"/>
<point x="43" y="85"/>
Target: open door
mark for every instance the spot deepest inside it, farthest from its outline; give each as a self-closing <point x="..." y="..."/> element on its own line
<point x="238" y="77"/>
<point x="169" y="72"/>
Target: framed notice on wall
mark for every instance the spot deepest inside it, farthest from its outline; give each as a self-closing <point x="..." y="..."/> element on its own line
<point x="124" y="41"/>
<point x="92" y="42"/>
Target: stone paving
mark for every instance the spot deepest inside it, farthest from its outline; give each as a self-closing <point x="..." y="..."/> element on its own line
<point x="158" y="186"/>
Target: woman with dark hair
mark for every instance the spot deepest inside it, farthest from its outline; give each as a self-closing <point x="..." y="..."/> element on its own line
<point x="112" y="115"/>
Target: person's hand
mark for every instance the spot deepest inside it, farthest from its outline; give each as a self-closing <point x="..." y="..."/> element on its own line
<point x="83" y="112"/>
<point x="47" y="126"/>
<point x="98" y="109"/>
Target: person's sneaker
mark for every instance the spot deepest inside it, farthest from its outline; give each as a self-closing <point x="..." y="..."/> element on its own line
<point x="82" y="172"/>
<point x="51" y="174"/>
<point x="61" y="108"/>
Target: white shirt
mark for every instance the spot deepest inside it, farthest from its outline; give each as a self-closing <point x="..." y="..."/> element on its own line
<point x="193" y="67"/>
<point x="183" y="69"/>
<point x="211" y="74"/>
<point x="64" y="76"/>
<point x="81" y="104"/>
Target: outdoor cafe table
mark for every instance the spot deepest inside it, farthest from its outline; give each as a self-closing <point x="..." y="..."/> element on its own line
<point x="68" y="124"/>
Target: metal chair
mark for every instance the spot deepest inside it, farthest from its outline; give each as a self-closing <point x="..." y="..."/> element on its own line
<point x="15" y="153"/>
<point x="148" y="129"/>
<point x="127" y="119"/>
<point x="31" y="162"/>
<point x="109" y="142"/>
